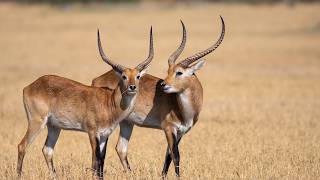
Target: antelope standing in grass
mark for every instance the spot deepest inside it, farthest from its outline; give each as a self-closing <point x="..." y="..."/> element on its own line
<point x="172" y="104"/>
<point x="61" y="103"/>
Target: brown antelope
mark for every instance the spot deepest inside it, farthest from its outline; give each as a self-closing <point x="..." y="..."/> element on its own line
<point x="61" y="103"/>
<point x="172" y="104"/>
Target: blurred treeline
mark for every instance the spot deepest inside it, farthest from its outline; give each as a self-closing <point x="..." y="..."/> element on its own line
<point x="172" y="1"/>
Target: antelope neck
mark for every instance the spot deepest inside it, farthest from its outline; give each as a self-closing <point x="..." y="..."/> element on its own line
<point x="185" y="104"/>
<point x="123" y="103"/>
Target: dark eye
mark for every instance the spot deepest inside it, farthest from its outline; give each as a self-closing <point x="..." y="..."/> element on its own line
<point x="179" y="73"/>
<point x="124" y="77"/>
<point x="138" y="77"/>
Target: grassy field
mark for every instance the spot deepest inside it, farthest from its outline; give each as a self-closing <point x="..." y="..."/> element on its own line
<point x="261" y="114"/>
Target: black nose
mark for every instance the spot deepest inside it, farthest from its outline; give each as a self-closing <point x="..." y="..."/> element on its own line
<point x="162" y="83"/>
<point x="132" y="87"/>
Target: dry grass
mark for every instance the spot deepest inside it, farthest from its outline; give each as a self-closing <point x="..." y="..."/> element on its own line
<point x="261" y="116"/>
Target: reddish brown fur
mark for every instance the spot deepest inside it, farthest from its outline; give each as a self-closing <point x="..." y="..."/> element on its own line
<point x="80" y="107"/>
<point x="61" y="103"/>
<point x="161" y="110"/>
<point x="174" y="111"/>
<point x="151" y="99"/>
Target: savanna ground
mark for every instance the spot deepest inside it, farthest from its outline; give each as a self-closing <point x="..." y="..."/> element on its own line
<point x="261" y="113"/>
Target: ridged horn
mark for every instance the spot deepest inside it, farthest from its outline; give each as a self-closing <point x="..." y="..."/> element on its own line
<point x="186" y="62"/>
<point x="147" y="62"/>
<point x="174" y="56"/>
<point x="117" y="67"/>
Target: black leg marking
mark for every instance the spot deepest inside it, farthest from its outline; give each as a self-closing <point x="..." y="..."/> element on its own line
<point x="100" y="156"/>
<point x="176" y="154"/>
<point x="104" y="150"/>
<point x="167" y="162"/>
<point x="168" y="158"/>
<point x="98" y="160"/>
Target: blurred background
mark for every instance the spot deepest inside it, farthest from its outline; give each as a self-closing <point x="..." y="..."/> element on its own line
<point x="169" y="1"/>
<point x="261" y="112"/>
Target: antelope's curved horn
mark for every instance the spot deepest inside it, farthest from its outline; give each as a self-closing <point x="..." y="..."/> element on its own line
<point x="186" y="62"/>
<point x="147" y="62"/>
<point x="174" y="56"/>
<point x="117" y="67"/>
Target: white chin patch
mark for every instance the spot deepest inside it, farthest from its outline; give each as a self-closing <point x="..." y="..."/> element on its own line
<point x="170" y="90"/>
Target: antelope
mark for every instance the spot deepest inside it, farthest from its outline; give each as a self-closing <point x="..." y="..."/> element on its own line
<point x="61" y="103"/>
<point x="172" y="105"/>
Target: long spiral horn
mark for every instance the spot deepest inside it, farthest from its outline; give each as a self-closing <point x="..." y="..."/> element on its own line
<point x="174" y="56"/>
<point x="186" y="62"/>
<point x="147" y="62"/>
<point x="117" y="67"/>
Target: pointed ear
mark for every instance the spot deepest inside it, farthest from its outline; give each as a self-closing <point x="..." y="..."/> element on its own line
<point x="195" y="67"/>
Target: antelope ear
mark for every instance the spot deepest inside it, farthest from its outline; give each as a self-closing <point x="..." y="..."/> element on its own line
<point x="195" y="67"/>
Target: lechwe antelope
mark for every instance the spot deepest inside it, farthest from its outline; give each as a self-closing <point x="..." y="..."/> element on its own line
<point x="60" y="103"/>
<point x="172" y="104"/>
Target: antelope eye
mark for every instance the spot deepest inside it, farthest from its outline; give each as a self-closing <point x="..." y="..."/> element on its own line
<point x="138" y="77"/>
<point x="124" y="77"/>
<point x="179" y="73"/>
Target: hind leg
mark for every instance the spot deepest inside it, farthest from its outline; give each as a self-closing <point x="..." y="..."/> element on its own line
<point x="53" y="135"/>
<point x="101" y="154"/>
<point x="34" y="127"/>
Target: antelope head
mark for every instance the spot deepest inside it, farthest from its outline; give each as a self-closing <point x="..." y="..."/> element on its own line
<point x="180" y="74"/>
<point x="129" y="78"/>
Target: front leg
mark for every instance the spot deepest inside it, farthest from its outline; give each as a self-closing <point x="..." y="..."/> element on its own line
<point x="98" y="146"/>
<point x="126" y="128"/>
<point x="101" y="150"/>
<point x="93" y="143"/>
<point x="173" y="141"/>
<point x="167" y="160"/>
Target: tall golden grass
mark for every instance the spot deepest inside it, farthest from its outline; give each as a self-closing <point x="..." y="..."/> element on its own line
<point x="261" y="114"/>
